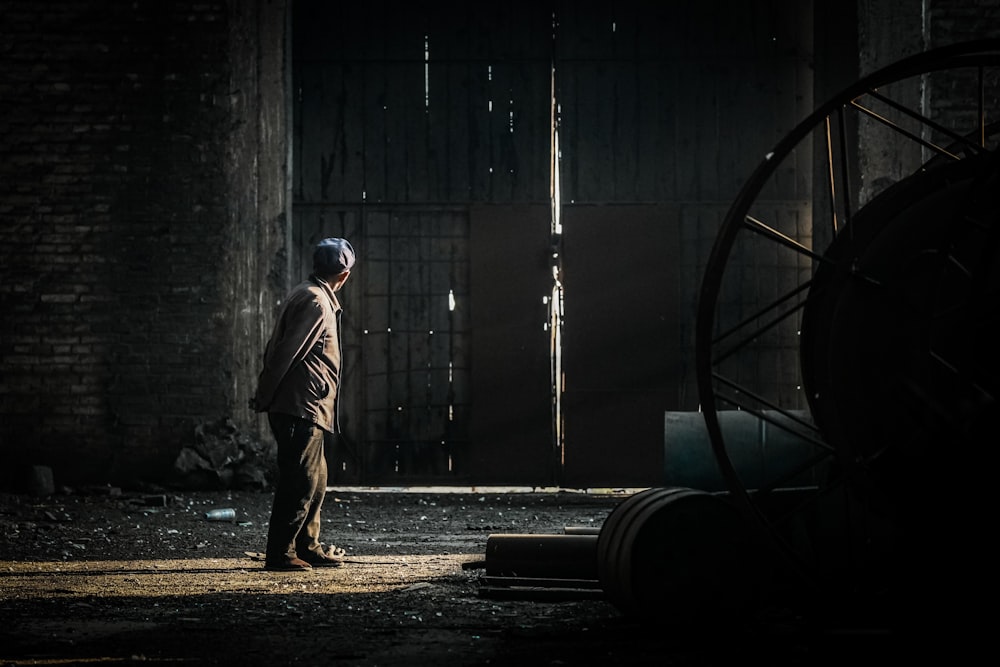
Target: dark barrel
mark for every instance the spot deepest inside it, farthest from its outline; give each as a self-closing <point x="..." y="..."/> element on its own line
<point x="678" y="555"/>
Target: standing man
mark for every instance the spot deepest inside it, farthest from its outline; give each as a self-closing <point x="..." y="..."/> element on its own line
<point x="298" y="389"/>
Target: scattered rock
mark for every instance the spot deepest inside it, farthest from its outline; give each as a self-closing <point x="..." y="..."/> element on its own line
<point x="220" y="457"/>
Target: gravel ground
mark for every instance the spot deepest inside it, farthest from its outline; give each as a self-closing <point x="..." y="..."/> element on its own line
<point x="101" y="576"/>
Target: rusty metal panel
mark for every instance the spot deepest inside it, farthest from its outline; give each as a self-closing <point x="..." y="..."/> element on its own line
<point x="422" y="104"/>
<point x="404" y="162"/>
<point x="621" y="341"/>
<point x="453" y="130"/>
<point x="519" y="131"/>
<point x="588" y="136"/>
<point x="493" y="121"/>
<point x="512" y="434"/>
<point x="676" y="102"/>
<point x="329" y="129"/>
<point x="450" y="103"/>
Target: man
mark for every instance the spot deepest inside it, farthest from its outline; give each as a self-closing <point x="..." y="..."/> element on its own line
<point x="298" y="387"/>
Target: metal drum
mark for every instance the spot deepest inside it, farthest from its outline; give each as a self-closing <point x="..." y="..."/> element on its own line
<point x="678" y="555"/>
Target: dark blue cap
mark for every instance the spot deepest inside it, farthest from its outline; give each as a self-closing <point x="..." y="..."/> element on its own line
<point x="332" y="256"/>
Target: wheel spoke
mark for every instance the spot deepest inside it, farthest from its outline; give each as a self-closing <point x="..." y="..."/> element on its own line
<point x="755" y="225"/>
<point x="924" y="120"/>
<point x="760" y="313"/>
<point x="906" y="133"/>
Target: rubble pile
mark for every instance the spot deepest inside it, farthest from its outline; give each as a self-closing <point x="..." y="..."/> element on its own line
<point x="220" y="457"/>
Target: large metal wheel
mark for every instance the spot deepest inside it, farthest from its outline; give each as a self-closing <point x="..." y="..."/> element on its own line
<point x="851" y="300"/>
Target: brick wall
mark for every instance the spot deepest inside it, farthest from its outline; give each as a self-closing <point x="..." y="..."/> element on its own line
<point x="120" y="126"/>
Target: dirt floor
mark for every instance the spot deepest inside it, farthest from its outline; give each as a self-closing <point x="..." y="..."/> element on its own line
<point x="99" y="576"/>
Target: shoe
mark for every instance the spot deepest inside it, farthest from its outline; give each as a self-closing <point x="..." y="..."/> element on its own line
<point x="288" y="565"/>
<point x="329" y="557"/>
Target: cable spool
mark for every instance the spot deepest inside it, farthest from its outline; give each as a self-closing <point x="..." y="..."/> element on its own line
<point x="678" y="555"/>
<point x="882" y="295"/>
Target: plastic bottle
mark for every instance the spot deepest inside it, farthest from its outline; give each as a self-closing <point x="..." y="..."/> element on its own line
<point x="224" y="514"/>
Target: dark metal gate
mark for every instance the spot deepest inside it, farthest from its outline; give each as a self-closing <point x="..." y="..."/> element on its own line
<point x="428" y="137"/>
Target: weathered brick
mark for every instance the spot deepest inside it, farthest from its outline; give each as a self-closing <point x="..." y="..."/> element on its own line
<point x="108" y="133"/>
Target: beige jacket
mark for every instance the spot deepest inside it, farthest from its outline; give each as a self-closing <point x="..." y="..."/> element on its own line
<point x="301" y="371"/>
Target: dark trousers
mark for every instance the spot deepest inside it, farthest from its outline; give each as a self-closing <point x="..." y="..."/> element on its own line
<point x="295" y="515"/>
